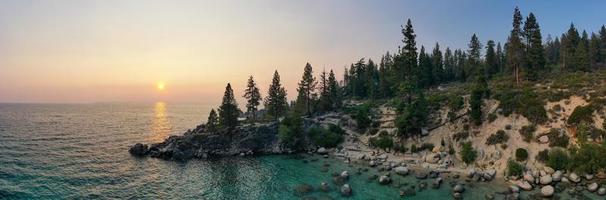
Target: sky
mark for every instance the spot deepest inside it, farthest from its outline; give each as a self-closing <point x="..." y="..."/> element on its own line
<point x="75" y="51"/>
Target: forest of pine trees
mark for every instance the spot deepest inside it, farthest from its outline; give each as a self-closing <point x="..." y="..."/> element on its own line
<point x="409" y="72"/>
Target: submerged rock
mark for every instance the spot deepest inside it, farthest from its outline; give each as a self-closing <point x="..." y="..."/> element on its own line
<point x="458" y="188"/>
<point x="384" y="180"/>
<point x="602" y="191"/>
<point x="346" y="190"/>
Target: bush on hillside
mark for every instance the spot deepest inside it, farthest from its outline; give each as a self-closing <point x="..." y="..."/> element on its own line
<point x="558" y="159"/>
<point x="468" y="154"/>
<point x="497" y="138"/>
<point x="543" y="156"/>
<point x="557" y="139"/>
<point x="589" y="158"/>
<point x="581" y="114"/>
<point x="522" y="101"/>
<point x="527" y="132"/>
<point x="514" y="168"/>
<point x="383" y="141"/>
<point x="460" y="135"/>
<point x="327" y="137"/>
<point x="521" y="154"/>
<point x="290" y="130"/>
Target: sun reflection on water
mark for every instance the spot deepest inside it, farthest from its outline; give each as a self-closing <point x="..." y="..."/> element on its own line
<point x="161" y="127"/>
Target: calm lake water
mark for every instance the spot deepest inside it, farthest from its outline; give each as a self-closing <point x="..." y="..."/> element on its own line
<point x="80" y="151"/>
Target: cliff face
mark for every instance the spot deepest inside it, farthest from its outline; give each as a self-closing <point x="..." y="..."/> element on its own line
<point x="244" y="140"/>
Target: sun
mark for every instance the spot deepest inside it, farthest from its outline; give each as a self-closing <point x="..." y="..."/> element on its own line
<point x="160" y="86"/>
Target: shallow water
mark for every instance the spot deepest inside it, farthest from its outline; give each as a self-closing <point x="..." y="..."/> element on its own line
<point x="81" y="152"/>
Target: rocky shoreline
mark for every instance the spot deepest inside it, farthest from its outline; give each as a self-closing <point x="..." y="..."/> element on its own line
<point x="436" y="165"/>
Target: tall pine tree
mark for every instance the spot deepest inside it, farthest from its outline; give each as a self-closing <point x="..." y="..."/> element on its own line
<point x="253" y="98"/>
<point x="228" y="111"/>
<point x="570" y="42"/>
<point x="306" y="90"/>
<point x="334" y="90"/>
<point x="437" y="64"/>
<point x="275" y="102"/>
<point x="515" y="48"/>
<point x="492" y="62"/>
<point x="535" y="53"/>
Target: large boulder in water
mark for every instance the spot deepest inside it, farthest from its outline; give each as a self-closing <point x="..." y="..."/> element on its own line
<point x="592" y="187"/>
<point x="346" y="190"/>
<point x="547" y="191"/>
<point x="384" y="180"/>
<point x="138" y="149"/>
<point x="401" y="170"/>
<point x="322" y="150"/>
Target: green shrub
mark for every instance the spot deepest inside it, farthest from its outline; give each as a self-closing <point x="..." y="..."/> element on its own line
<point x="491" y="117"/>
<point x="400" y="148"/>
<point x="527" y="132"/>
<point x="383" y="141"/>
<point x="581" y="114"/>
<point x="589" y="158"/>
<point x="290" y="130"/>
<point x="499" y="137"/>
<point x="523" y="101"/>
<point x="521" y="154"/>
<point x="557" y="139"/>
<point x="329" y="138"/>
<point x="423" y="147"/>
<point x="362" y="116"/>
<point x="558" y="159"/>
<point x="460" y="135"/>
<point x="514" y="168"/>
<point x="543" y="156"/>
<point x="468" y="154"/>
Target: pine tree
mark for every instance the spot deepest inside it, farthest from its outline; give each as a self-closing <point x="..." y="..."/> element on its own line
<point x="426" y="76"/>
<point x="306" y="90"/>
<point x="228" y="111"/>
<point x="213" y="122"/>
<point x="253" y="98"/>
<point x="372" y="80"/>
<point x="581" y="57"/>
<point x="275" y="102"/>
<point x="449" y="62"/>
<point x="515" y="48"/>
<point x="437" y="64"/>
<point x="406" y="61"/>
<point x="492" y="62"/>
<point x="595" y="53"/>
<point x="325" y="100"/>
<point x="535" y="53"/>
<point x="552" y="50"/>
<point x="480" y="88"/>
<point x="334" y="90"/>
<point x="473" y="59"/>
<point x="500" y="58"/>
<point x="570" y="42"/>
<point x="386" y="76"/>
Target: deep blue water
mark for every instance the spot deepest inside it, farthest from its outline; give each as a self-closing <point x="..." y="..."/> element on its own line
<point x="80" y="151"/>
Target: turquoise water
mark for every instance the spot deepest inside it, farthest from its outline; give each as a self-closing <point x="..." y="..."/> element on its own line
<point x="81" y="152"/>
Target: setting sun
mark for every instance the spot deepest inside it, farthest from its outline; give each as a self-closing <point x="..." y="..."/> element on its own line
<point x="160" y="86"/>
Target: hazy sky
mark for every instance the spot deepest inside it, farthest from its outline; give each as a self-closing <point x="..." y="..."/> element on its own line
<point x="114" y="51"/>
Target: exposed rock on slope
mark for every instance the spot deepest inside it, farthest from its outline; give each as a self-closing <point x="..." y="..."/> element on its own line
<point x="244" y="140"/>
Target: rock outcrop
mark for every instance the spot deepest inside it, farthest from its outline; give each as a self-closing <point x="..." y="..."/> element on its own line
<point x="243" y="140"/>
